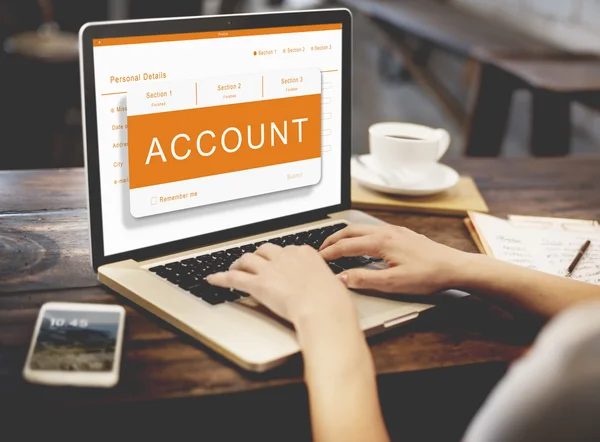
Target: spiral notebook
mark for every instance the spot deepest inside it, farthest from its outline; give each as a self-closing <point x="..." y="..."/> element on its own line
<point x="545" y="244"/>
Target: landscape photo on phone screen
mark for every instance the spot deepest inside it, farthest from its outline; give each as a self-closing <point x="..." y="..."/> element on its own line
<point x="71" y="340"/>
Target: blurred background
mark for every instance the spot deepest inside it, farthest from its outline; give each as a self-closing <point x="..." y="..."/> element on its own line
<point x="454" y="64"/>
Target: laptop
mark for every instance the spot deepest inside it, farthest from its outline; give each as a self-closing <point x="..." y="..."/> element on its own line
<point x="206" y="137"/>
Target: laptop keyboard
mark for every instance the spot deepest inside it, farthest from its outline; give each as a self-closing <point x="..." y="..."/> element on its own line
<point x="189" y="274"/>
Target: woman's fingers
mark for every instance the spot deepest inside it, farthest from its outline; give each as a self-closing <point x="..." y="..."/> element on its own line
<point x="234" y="279"/>
<point x="364" y="245"/>
<point x="364" y="279"/>
<point x="352" y="231"/>
<point x="249" y="263"/>
<point x="269" y="251"/>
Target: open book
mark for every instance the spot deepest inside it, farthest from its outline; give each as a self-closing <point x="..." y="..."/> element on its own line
<point x="545" y="244"/>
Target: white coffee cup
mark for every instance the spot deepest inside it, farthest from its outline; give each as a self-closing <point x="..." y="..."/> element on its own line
<point x="406" y="152"/>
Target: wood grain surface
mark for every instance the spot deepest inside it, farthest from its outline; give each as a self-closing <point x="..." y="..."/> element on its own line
<point x="159" y="362"/>
<point x="561" y="75"/>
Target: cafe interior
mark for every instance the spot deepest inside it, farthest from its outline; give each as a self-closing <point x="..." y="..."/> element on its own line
<point x="515" y="85"/>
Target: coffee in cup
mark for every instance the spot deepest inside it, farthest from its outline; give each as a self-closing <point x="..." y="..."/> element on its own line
<point x="406" y="152"/>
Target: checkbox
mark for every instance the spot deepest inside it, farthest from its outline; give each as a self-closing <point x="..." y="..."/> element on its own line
<point x="153" y="201"/>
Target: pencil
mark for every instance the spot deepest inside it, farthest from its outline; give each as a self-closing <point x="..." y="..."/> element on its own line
<point x="580" y="254"/>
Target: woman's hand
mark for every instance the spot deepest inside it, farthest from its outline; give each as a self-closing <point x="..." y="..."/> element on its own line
<point x="296" y="283"/>
<point x="293" y="282"/>
<point x="417" y="265"/>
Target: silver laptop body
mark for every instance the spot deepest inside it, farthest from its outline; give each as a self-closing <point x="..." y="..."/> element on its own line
<point x="239" y="329"/>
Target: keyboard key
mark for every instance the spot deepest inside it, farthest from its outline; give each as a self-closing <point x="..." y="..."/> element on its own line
<point x="187" y="282"/>
<point x="330" y="230"/>
<point x="352" y="262"/>
<point x="327" y="231"/>
<point x="362" y="260"/>
<point x="234" y="253"/>
<point x="301" y="238"/>
<point x="213" y="298"/>
<point x="229" y="295"/>
<point x="289" y="240"/>
<point x="186" y="270"/>
<point x="189" y="273"/>
<point x="222" y="266"/>
<point x="209" y="293"/>
<point x="216" y="295"/>
<point x="174" y="278"/>
<point x="336" y="269"/>
<point x="317" y="243"/>
<point x="174" y="266"/>
<point x="163" y="273"/>
<point x="194" y="266"/>
<point x="277" y="241"/>
<point x="202" y="287"/>
<point x="205" y="271"/>
<point x="340" y="226"/>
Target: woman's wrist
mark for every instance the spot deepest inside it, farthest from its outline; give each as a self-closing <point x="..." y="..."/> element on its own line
<point x="477" y="273"/>
<point x="335" y="306"/>
<point x="465" y="272"/>
<point x="334" y="353"/>
<point x="334" y="317"/>
<point x="328" y="334"/>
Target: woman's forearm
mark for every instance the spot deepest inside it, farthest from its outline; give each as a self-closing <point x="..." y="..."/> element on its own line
<point x="537" y="292"/>
<point x="341" y="382"/>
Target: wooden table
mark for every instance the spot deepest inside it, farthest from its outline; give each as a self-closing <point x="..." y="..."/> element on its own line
<point x="440" y="367"/>
<point x="414" y="28"/>
<point x="554" y="83"/>
<point x="506" y="59"/>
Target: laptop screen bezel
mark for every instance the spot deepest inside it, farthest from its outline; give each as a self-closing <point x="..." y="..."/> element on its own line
<point x="136" y="28"/>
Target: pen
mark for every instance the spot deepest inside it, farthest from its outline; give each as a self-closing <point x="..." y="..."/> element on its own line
<point x="580" y="254"/>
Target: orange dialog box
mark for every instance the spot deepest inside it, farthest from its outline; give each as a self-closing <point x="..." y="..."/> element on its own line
<point x="198" y="142"/>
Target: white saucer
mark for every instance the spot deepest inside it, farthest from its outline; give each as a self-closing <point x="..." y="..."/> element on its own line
<point x="439" y="179"/>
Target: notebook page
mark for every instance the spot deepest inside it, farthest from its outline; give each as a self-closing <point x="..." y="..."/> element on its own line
<point x="559" y="241"/>
<point x="506" y="242"/>
<point x="560" y="248"/>
<point x="549" y="248"/>
<point x="557" y="222"/>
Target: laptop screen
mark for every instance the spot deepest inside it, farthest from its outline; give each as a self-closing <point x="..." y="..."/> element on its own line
<point x="203" y="132"/>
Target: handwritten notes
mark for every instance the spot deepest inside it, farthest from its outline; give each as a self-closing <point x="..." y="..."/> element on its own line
<point x="588" y="269"/>
<point x="546" y="246"/>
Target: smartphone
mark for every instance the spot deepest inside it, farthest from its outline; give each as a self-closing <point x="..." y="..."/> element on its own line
<point x="76" y="344"/>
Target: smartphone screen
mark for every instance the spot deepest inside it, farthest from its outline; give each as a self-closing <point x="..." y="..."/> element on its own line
<point x="76" y="340"/>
